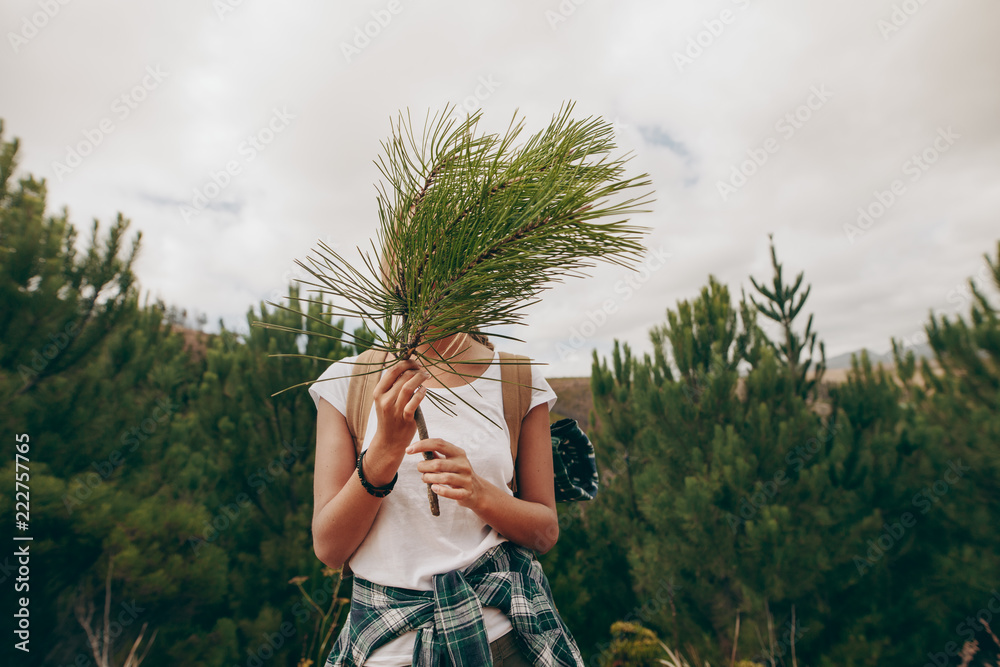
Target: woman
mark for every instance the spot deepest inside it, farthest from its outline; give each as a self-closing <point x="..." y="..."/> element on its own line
<point x="430" y="588"/>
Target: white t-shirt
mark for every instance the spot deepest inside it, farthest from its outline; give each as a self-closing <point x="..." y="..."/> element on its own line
<point x="406" y="545"/>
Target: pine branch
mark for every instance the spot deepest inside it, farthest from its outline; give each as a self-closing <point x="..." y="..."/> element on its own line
<point x="473" y="228"/>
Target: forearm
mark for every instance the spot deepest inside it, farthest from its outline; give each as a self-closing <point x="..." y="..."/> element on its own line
<point x="530" y="524"/>
<point x="343" y="523"/>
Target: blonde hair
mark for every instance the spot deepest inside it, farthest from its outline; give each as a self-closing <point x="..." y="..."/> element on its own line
<point x="481" y="337"/>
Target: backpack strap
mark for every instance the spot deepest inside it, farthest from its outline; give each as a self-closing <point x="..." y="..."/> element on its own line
<point x="360" y="394"/>
<point x="516" y="386"/>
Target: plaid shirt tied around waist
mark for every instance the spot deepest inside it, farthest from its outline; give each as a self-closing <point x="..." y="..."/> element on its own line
<point x="449" y="618"/>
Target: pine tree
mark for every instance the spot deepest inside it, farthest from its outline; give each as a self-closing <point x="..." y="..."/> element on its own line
<point x="871" y="516"/>
<point x="174" y="463"/>
<point x="781" y="306"/>
<point x="950" y="434"/>
<point x="723" y="489"/>
<point x="58" y="305"/>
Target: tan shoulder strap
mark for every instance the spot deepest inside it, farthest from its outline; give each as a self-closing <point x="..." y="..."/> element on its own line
<point x="360" y="395"/>
<point x="516" y="386"/>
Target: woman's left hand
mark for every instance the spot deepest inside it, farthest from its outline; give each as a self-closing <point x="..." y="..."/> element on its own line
<point x="451" y="476"/>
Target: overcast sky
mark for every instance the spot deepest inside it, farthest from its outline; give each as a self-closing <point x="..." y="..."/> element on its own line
<point x="751" y="117"/>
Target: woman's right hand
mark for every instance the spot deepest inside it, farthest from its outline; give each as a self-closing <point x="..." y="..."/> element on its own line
<point x="396" y="397"/>
<point x="343" y="512"/>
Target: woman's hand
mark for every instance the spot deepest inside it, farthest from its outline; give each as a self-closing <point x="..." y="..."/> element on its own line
<point x="530" y="519"/>
<point x="451" y="476"/>
<point x="396" y="397"/>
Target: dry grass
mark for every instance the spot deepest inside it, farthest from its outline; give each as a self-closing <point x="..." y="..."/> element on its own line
<point x="971" y="647"/>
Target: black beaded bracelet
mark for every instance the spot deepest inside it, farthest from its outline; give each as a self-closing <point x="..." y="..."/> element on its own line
<point x="377" y="491"/>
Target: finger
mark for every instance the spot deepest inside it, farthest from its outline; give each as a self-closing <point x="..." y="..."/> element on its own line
<point x="390" y="375"/>
<point x="407" y="390"/>
<point x="453" y="480"/>
<point x="442" y="465"/>
<point x="449" y="492"/>
<point x="395" y="398"/>
<point x="426" y="445"/>
<point x="435" y="445"/>
<point x="420" y="446"/>
<point x="411" y="406"/>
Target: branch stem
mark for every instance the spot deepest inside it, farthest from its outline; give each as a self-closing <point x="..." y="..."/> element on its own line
<point x="432" y="498"/>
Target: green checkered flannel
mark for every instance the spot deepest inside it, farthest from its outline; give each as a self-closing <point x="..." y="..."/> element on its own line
<point x="449" y="618"/>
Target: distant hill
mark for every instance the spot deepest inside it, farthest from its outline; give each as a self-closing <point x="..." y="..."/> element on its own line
<point x="844" y="360"/>
<point x="574" y="399"/>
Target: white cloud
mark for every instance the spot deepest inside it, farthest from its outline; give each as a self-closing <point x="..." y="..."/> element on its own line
<point x="316" y="179"/>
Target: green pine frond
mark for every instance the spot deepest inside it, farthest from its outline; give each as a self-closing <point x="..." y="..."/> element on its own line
<point x="473" y="228"/>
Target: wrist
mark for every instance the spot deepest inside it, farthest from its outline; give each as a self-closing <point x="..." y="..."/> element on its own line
<point x="380" y="466"/>
<point x="377" y="491"/>
<point x="484" y="494"/>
